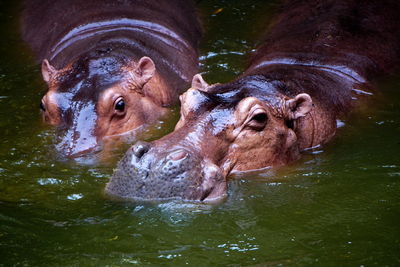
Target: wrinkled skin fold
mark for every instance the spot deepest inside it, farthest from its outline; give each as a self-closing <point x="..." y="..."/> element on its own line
<point x="307" y="73"/>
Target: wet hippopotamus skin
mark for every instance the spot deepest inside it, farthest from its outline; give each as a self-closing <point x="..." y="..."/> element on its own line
<point x="110" y="66"/>
<point x="317" y="59"/>
<point x="178" y="174"/>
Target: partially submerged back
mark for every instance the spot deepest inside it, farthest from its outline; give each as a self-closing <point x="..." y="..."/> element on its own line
<point x="361" y="36"/>
<point x="46" y="22"/>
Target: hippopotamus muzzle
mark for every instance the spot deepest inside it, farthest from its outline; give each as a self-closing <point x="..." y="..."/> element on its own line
<point x="151" y="173"/>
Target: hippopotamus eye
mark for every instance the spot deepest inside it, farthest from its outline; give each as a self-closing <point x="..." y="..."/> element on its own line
<point x="258" y="121"/>
<point x="41" y="106"/>
<point x="120" y="105"/>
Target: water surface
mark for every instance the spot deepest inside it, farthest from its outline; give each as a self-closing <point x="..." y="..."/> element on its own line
<point x="338" y="205"/>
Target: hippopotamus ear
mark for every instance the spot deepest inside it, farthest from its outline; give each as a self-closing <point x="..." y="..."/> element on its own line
<point x="199" y="83"/>
<point x="298" y="107"/>
<point x="48" y="71"/>
<point x="144" y="70"/>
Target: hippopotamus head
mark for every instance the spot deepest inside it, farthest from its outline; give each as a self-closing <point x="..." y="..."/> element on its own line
<point x="243" y="125"/>
<point x="98" y="96"/>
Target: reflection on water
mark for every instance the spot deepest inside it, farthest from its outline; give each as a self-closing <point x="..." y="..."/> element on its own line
<point x="338" y="205"/>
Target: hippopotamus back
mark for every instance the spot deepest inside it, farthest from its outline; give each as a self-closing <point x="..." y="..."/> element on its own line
<point x="363" y="36"/>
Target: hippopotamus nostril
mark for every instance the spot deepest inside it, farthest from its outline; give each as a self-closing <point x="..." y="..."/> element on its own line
<point x="178" y="155"/>
<point x="140" y="148"/>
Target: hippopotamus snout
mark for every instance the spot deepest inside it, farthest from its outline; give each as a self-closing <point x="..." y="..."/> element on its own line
<point x="148" y="172"/>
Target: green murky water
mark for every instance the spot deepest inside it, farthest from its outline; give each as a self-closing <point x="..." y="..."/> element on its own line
<point x="337" y="206"/>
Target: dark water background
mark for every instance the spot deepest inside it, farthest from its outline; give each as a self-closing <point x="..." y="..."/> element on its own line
<point x="336" y="206"/>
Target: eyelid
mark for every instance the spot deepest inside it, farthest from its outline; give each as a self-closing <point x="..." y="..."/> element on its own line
<point x="256" y="112"/>
<point x="117" y="98"/>
<point x="115" y="110"/>
<point x="255" y="124"/>
<point x="257" y="109"/>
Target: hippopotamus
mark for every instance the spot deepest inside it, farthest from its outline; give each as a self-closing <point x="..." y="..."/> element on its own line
<point x="317" y="58"/>
<point x="110" y="66"/>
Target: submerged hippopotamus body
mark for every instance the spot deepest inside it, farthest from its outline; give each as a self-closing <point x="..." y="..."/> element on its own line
<point x="111" y="66"/>
<point x="305" y="74"/>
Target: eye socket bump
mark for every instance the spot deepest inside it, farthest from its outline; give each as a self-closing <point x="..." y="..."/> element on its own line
<point x="119" y="105"/>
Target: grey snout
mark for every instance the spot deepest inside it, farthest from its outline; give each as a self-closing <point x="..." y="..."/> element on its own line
<point x="149" y="172"/>
<point x="178" y="165"/>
